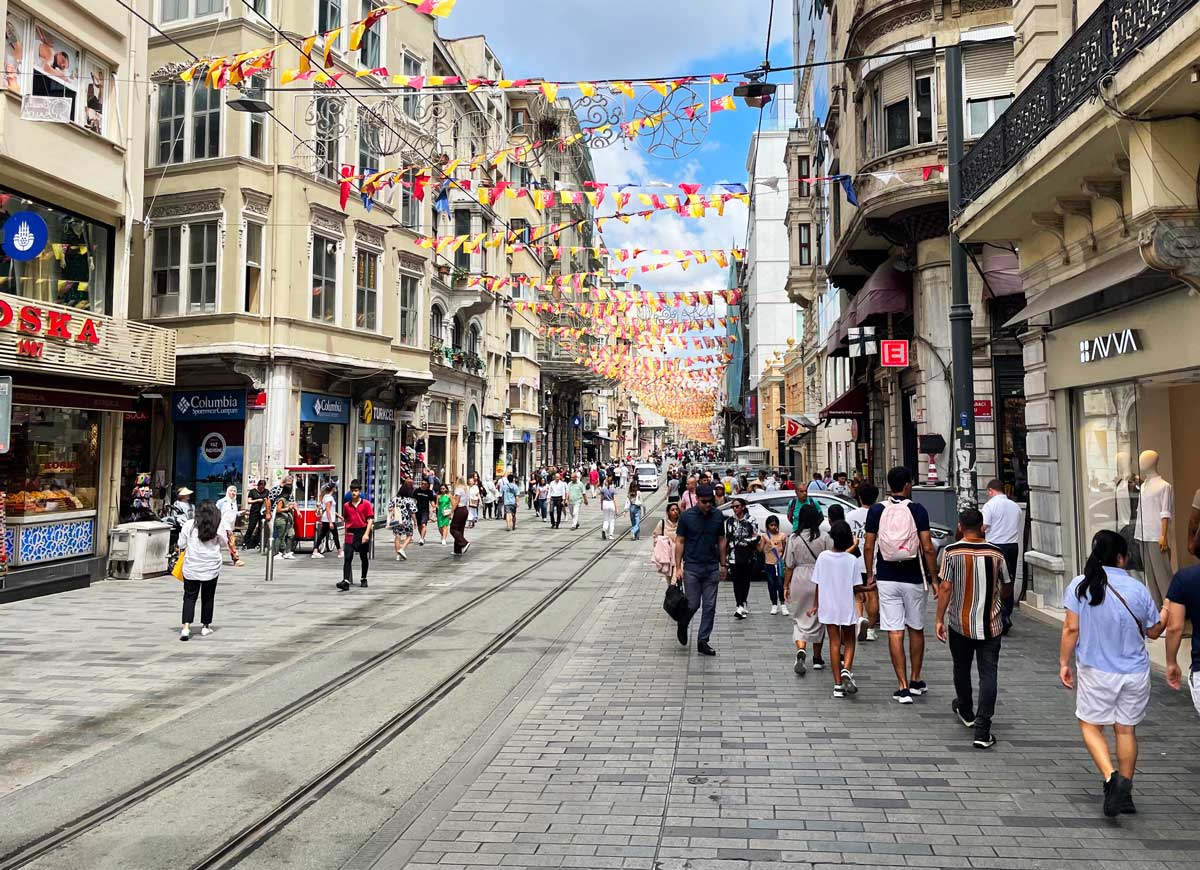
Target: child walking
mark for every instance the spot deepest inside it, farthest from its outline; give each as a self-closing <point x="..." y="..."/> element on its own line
<point x="837" y="579"/>
<point x="774" y="544"/>
<point x="445" y="509"/>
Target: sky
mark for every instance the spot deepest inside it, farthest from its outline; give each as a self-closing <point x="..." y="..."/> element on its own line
<point x="573" y="40"/>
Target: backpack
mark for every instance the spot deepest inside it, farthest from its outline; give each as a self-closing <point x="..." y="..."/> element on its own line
<point x="897" y="537"/>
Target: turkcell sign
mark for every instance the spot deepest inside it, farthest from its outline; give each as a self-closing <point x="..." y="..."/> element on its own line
<point x="319" y="408"/>
<point x="208" y="405"/>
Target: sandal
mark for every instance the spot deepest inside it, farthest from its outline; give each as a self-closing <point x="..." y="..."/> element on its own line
<point x="239" y="564"/>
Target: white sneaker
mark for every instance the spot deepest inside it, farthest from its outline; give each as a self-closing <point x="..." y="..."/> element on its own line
<point x="783" y="609"/>
<point x="205" y="631"/>
<point x="317" y="555"/>
<point x="279" y="555"/>
<point x="289" y="555"/>
<point x="739" y="613"/>
<point x="871" y="634"/>
<point x="184" y="634"/>
<point x="774" y="609"/>
<point x="403" y="555"/>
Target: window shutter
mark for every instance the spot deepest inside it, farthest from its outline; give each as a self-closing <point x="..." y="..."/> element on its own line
<point x="895" y="82"/>
<point x="988" y="71"/>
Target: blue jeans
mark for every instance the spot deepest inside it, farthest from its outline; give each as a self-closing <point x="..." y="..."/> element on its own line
<point x="700" y="585"/>
<point x="635" y="519"/>
<point x="775" y="582"/>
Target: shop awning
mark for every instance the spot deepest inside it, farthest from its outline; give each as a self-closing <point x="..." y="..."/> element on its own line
<point x="887" y="291"/>
<point x="1093" y="279"/>
<point x="1001" y="271"/>
<point x="852" y="404"/>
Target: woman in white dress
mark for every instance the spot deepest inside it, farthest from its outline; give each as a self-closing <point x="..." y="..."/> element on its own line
<point x="803" y="547"/>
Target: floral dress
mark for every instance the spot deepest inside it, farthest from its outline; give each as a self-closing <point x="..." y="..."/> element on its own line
<point x="402" y="512"/>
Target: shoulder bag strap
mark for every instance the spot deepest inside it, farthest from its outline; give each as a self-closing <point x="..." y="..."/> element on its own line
<point x="1136" y="621"/>
<point x="808" y="547"/>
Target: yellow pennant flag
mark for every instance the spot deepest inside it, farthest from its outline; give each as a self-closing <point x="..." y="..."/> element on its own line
<point x="624" y="87"/>
<point x="661" y="87"/>
<point x="587" y="88"/>
<point x="550" y="91"/>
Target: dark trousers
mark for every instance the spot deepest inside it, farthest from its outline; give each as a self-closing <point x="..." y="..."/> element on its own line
<point x="775" y="582"/>
<point x="355" y="544"/>
<point x="253" y="530"/>
<point x="1010" y="551"/>
<point x="540" y="507"/>
<point x="986" y="654"/>
<point x="458" y="525"/>
<point x="206" y="591"/>
<point x="556" y="509"/>
<point x="327" y="531"/>
<point x="700" y="586"/>
<point x="742" y="572"/>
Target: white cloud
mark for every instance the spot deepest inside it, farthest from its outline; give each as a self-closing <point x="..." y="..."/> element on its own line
<point x="572" y="39"/>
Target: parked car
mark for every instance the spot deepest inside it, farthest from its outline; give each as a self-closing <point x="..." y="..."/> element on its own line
<point x="647" y="475"/>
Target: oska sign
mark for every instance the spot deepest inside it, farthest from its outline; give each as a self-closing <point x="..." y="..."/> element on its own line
<point x="36" y="322"/>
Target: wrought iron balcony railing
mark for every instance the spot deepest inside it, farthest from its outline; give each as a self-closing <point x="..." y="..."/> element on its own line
<point x="1104" y="43"/>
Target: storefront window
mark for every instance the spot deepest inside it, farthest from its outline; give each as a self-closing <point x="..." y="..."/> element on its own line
<point x="52" y="466"/>
<point x="1108" y="455"/>
<point x="73" y="269"/>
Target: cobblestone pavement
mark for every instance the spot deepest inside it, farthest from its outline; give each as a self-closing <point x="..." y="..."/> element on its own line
<point x="641" y="755"/>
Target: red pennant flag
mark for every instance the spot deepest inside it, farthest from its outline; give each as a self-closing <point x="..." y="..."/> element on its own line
<point x="418" y="187"/>
<point x="926" y="171"/>
<point x="690" y="189"/>
<point x="347" y="172"/>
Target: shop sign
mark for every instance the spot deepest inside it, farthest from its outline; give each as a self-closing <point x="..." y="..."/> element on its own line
<point x="370" y="413"/>
<point x="1105" y="346"/>
<point x="48" y="323"/>
<point x="209" y="405"/>
<point x="256" y="400"/>
<point x="25" y="235"/>
<point x="319" y="408"/>
<point x="983" y="410"/>
<point x="56" y="110"/>
<point x="893" y="353"/>
<point x="212" y="446"/>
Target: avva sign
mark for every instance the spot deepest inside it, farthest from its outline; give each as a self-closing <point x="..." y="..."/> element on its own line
<point x="1106" y="346"/>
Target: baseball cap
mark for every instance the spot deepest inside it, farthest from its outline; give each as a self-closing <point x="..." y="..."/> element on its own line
<point x="704" y="491"/>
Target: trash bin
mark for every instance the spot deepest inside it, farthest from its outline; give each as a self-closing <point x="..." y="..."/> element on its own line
<point x="941" y="502"/>
<point x="138" y="550"/>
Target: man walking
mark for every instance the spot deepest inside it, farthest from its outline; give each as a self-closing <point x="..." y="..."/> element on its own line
<point x="970" y="617"/>
<point x="258" y="500"/>
<point x="576" y="498"/>
<point x="817" y="484"/>
<point x="360" y="520"/>
<point x="700" y="554"/>
<point x="898" y="541"/>
<point x="508" y="498"/>
<point x="558" y="493"/>
<point x="867" y="495"/>
<point x="1002" y="526"/>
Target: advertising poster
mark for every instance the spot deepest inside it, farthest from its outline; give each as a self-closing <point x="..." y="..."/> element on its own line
<point x="218" y="466"/>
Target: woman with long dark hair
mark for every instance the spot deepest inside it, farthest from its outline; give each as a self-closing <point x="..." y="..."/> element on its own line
<point x="202" y="538"/>
<point x="1109" y="617"/>
<point x="800" y="557"/>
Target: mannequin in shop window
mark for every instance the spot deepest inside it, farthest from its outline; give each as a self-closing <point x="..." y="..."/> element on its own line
<point x="1155" y="509"/>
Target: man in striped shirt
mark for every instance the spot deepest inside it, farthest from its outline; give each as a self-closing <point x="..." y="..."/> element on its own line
<point x="970" y="616"/>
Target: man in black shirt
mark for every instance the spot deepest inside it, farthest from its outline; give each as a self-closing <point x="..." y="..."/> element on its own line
<point x="258" y="499"/>
<point x="700" y="564"/>
<point x="1182" y="605"/>
<point x="424" y="497"/>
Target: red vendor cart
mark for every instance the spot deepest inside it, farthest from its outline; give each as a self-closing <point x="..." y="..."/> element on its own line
<point x="307" y="483"/>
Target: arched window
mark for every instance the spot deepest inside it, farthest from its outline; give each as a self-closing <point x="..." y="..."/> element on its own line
<point x="437" y="324"/>
<point x="456" y="334"/>
<point x="473" y="339"/>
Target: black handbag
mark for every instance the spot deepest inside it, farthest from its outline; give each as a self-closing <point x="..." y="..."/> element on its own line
<point x="675" y="602"/>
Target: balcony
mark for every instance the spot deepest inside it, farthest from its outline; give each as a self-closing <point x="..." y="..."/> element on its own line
<point x="1110" y="38"/>
<point x="456" y="358"/>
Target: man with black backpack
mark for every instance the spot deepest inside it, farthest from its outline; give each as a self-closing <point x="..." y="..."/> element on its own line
<point x="897" y="543"/>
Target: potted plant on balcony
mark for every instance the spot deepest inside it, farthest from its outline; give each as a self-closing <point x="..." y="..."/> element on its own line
<point x="443" y="270"/>
<point x="458" y="278"/>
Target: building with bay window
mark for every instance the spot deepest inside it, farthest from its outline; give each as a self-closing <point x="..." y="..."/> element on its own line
<point x="310" y="318"/>
<point x="1091" y="175"/>
<point x="70" y="203"/>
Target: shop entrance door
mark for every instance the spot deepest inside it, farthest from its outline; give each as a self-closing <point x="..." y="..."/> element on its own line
<point x="1010" y="425"/>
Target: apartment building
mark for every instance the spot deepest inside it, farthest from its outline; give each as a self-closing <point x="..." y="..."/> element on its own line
<point x="72" y="126"/>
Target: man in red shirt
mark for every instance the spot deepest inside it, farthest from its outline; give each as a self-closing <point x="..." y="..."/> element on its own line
<point x="360" y="520"/>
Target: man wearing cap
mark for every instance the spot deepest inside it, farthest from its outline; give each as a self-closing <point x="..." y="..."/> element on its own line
<point x="700" y="564"/>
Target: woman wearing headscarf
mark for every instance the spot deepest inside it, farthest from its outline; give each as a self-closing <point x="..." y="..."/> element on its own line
<point x="803" y="547"/>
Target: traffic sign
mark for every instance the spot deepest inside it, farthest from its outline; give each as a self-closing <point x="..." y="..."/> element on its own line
<point x="894" y="353"/>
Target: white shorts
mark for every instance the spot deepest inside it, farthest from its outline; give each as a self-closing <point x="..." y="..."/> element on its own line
<point x="1194" y="685"/>
<point x="1103" y="698"/>
<point x="901" y="605"/>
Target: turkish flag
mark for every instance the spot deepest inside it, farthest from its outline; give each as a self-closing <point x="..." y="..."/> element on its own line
<point x="791" y="429"/>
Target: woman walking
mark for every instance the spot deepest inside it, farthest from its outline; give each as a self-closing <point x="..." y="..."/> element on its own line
<point x="284" y="528"/>
<point x="402" y="519"/>
<point x="635" y="510"/>
<point x="458" y="520"/>
<point x="663" y="554"/>
<point x="1109" y="615"/>
<point x="742" y="537"/>
<point x="202" y="539"/>
<point x="542" y="499"/>
<point x="328" y="530"/>
<point x="803" y="547"/>
<point x="230" y="509"/>
<point x="608" y="508"/>
<point x="774" y="545"/>
<point x="836" y="578"/>
<point x="474" y="499"/>
<point x="445" y="509"/>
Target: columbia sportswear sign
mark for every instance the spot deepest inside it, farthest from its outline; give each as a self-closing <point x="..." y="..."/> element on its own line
<point x="207" y="405"/>
<point x="1107" y="346"/>
<point x="319" y="408"/>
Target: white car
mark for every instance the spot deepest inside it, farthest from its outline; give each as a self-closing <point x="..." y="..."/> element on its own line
<point x="647" y="476"/>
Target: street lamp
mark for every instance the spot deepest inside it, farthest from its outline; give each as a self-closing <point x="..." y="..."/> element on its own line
<point x="253" y="100"/>
<point x="756" y="93"/>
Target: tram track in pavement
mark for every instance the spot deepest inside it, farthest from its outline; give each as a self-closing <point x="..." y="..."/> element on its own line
<point x="249" y="838"/>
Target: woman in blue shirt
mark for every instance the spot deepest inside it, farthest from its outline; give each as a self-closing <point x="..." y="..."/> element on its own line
<point x="1109" y="615"/>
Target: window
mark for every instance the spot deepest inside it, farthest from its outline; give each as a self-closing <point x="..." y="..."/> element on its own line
<point x="324" y="275"/>
<point x="174" y="108"/>
<point x="923" y="94"/>
<point x="61" y="439"/>
<point x="981" y="114"/>
<point x="329" y="15"/>
<point x="328" y="145"/>
<point x="410" y="206"/>
<point x="206" y="122"/>
<point x="412" y="67"/>
<point x="202" y="268"/>
<point x="456" y="333"/>
<point x="518" y="118"/>
<point x="410" y="305"/>
<point x="805" y="172"/>
<point x="473" y="339"/>
<point x="437" y="325"/>
<point x="462" y="226"/>
<point x="1107" y="422"/>
<point x="520" y="230"/>
<point x="366" y="294"/>
<point x="254" y="267"/>
<point x="181" y="10"/>
<point x="258" y="123"/>
<point x="896" y="125"/>
<point x="520" y="341"/>
<point x="164" y="276"/>
<point x="368" y="158"/>
<point x="39" y="62"/>
<point x="371" y="47"/>
<point x="805" y="244"/>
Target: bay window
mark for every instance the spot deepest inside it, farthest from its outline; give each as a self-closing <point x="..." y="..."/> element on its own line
<point x="366" y="293"/>
<point x="437" y="325"/>
<point x="202" y="268"/>
<point x="164" y="275"/>
<point x="905" y="108"/>
<point x="324" y="278"/>
<point x="187" y="129"/>
<point x="172" y="11"/>
<point x="805" y="244"/>
<point x="184" y="269"/>
<point x="252" y="303"/>
<point x="410" y="306"/>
